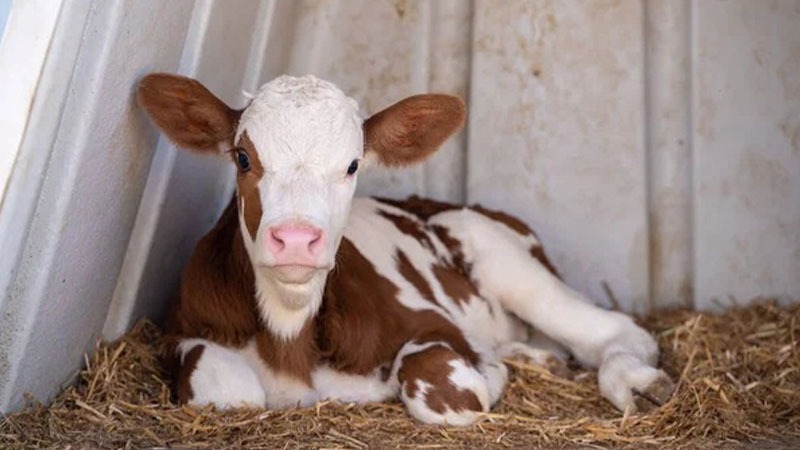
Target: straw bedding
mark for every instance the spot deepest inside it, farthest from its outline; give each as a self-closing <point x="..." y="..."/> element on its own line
<point x="738" y="380"/>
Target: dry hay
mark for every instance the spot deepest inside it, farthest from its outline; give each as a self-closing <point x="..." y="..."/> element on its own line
<point x="738" y="386"/>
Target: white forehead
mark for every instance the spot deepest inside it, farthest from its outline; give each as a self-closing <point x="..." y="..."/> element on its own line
<point x="301" y="116"/>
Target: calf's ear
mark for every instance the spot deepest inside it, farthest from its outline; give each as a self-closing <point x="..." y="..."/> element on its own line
<point x="188" y="113"/>
<point x="412" y="129"/>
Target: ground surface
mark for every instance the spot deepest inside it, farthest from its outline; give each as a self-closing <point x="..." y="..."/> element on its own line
<point x="738" y="387"/>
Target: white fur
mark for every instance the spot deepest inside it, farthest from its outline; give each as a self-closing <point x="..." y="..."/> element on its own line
<point x="496" y="374"/>
<point x="222" y="377"/>
<point x="274" y="300"/>
<point x="284" y="391"/>
<point x="417" y="406"/>
<point x="333" y="384"/>
<point x="620" y="374"/>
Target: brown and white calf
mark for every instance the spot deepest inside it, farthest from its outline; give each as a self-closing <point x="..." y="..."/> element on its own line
<point x="301" y="293"/>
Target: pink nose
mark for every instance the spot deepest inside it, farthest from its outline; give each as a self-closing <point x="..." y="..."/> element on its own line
<point x="295" y="244"/>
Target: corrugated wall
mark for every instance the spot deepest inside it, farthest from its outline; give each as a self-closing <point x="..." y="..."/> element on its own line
<point x="654" y="145"/>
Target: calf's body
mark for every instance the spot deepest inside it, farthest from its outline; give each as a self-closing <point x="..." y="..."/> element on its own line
<point x="417" y="299"/>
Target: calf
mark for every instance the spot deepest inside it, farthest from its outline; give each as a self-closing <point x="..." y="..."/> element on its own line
<point x="301" y="293"/>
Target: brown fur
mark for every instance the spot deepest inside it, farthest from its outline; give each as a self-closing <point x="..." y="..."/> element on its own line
<point x="187" y="112"/>
<point x="432" y="366"/>
<point x="411" y="129"/>
<point x="297" y="357"/>
<point x="455" y="284"/>
<point x="217" y="288"/>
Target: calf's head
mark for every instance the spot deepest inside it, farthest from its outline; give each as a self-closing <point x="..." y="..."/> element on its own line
<point x="297" y="148"/>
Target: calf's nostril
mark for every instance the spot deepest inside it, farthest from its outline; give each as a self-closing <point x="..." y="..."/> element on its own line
<point x="275" y="242"/>
<point x="316" y="242"/>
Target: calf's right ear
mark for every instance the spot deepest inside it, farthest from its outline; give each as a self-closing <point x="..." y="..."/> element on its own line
<point x="188" y="113"/>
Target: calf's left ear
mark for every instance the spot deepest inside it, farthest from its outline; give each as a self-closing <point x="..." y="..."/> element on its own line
<point x="411" y="129"/>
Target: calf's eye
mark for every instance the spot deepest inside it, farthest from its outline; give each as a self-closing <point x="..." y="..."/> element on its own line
<point x="353" y="167"/>
<point x="242" y="160"/>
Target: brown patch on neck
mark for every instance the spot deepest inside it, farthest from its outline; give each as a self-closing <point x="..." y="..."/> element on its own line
<point x="247" y="186"/>
<point x="296" y="357"/>
<point x="183" y="382"/>
<point x="217" y="294"/>
<point x="410" y="273"/>
<point x="432" y="366"/>
<point x="362" y="325"/>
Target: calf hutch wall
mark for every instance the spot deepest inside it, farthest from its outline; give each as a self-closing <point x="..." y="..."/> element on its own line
<point x="654" y="145"/>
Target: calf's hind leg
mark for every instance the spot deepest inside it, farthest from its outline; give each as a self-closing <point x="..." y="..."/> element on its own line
<point x="505" y="266"/>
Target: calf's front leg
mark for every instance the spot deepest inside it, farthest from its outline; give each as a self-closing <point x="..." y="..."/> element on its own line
<point x="439" y="386"/>
<point x="210" y="373"/>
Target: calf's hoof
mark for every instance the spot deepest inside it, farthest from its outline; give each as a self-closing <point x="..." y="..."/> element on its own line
<point x="656" y="394"/>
